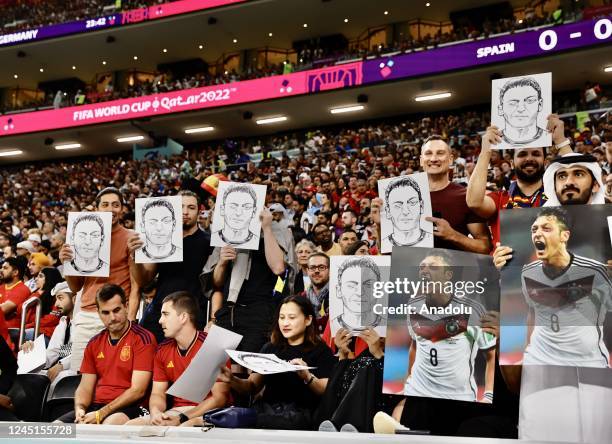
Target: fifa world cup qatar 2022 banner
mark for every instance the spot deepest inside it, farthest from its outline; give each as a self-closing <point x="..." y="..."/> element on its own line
<point x="539" y="42"/>
<point x="112" y="20"/>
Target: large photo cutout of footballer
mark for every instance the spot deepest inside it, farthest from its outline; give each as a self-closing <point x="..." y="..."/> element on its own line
<point x="556" y="290"/>
<point x="442" y="319"/>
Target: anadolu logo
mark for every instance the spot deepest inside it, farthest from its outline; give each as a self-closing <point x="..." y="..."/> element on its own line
<point x="385" y="68"/>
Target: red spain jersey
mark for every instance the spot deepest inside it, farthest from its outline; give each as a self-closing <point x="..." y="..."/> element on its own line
<point x="169" y="364"/>
<point x="17" y="293"/>
<point x="114" y="364"/>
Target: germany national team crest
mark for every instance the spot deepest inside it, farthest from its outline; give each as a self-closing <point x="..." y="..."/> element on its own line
<point x="125" y="353"/>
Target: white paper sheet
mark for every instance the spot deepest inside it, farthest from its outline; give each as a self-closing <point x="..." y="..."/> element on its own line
<point x="236" y="218"/>
<point x="35" y="359"/>
<point x="406" y="204"/>
<point x="353" y="302"/>
<point x="520" y="107"/>
<point x="201" y="374"/>
<point x="159" y="223"/>
<point x="89" y="236"/>
<point x="264" y="363"/>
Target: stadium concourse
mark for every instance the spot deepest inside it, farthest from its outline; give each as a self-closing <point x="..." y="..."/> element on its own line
<point x="179" y="270"/>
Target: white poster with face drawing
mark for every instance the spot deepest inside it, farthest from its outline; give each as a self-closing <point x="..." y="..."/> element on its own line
<point x="159" y="221"/>
<point x="354" y="302"/>
<point x="236" y="218"/>
<point x="406" y="204"/>
<point x="520" y="107"/>
<point x="89" y="235"/>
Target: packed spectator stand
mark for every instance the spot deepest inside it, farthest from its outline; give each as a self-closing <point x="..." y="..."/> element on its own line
<point x="149" y="320"/>
<point x="27" y="14"/>
<point x="312" y="55"/>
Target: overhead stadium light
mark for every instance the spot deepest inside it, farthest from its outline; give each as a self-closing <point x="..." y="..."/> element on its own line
<point x="67" y="146"/>
<point x="203" y="129"/>
<point x="129" y="139"/>
<point x="8" y="153"/>
<point x="608" y="68"/>
<point x="443" y="95"/>
<point x="346" y="109"/>
<point x="271" y="120"/>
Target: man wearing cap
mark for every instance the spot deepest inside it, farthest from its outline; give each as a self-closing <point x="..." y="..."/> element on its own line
<point x="37" y="262"/>
<point x="60" y="345"/>
<point x="25" y="248"/>
<point x="13" y="292"/>
<point x="35" y="239"/>
<point x="87" y="323"/>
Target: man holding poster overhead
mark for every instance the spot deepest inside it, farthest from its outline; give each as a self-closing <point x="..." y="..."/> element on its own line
<point x="527" y="190"/>
<point x="519" y="106"/>
<point x="520" y="103"/>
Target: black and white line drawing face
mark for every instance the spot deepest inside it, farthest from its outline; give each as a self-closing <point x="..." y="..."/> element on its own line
<point x="404" y="207"/>
<point x="356" y="278"/>
<point x="87" y="238"/>
<point x="238" y="210"/>
<point x="263" y="364"/>
<point x="520" y="103"/>
<point x="158" y="223"/>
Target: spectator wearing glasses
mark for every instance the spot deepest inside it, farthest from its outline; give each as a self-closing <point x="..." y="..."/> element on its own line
<point x="318" y="291"/>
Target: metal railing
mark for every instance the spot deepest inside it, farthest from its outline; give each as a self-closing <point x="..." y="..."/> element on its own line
<point x="24" y="311"/>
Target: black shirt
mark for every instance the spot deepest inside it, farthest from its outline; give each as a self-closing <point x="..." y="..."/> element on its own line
<point x="8" y="367"/>
<point x="180" y="276"/>
<point x="289" y="387"/>
<point x="184" y="276"/>
<point x="260" y="284"/>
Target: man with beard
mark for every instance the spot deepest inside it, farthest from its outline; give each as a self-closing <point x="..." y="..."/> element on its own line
<point x="568" y="297"/>
<point x="60" y="345"/>
<point x="528" y="189"/>
<point x="318" y="291"/>
<point x="13" y="292"/>
<point x="175" y="276"/>
<point x="574" y="179"/>
<point x="117" y="366"/>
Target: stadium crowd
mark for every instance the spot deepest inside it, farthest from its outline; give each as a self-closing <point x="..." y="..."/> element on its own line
<point x="322" y="200"/>
<point x="312" y="55"/>
<point x="27" y="14"/>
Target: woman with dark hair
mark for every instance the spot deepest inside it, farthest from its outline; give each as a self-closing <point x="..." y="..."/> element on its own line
<point x="359" y="248"/>
<point x="289" y="399"/>
<point x="46" y="279"/>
